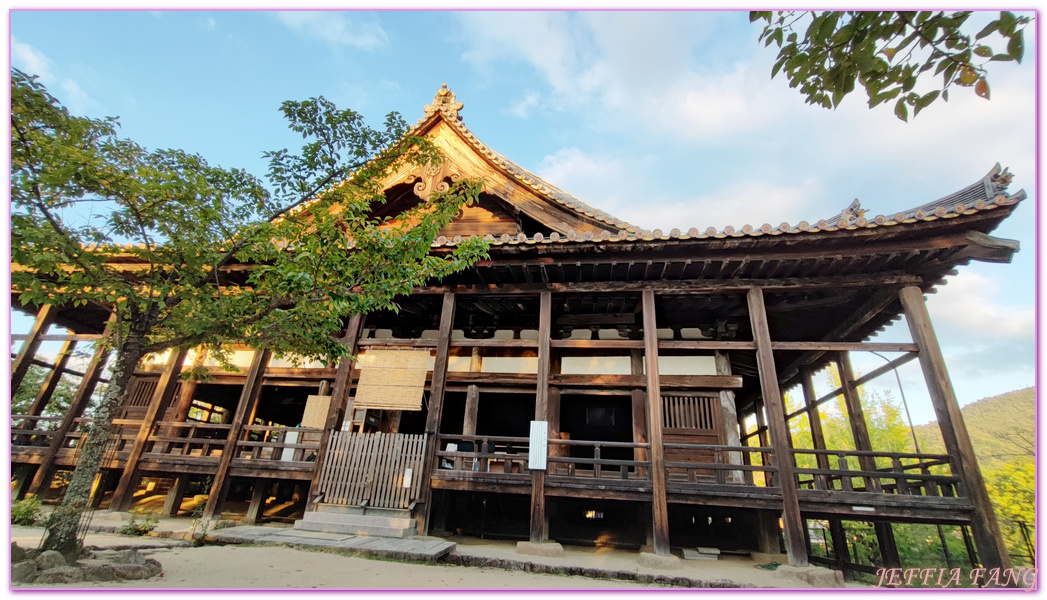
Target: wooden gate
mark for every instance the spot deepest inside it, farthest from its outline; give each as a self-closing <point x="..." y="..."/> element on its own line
<point x="382" y="470"/>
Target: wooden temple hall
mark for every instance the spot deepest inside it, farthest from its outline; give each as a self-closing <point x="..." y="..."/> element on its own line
<point x="591" y="382"/>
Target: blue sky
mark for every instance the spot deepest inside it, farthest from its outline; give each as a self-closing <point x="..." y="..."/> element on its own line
<point x="663" y="119"/>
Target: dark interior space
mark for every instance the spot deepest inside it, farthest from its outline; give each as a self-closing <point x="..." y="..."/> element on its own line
<point x="600" y="523"/>
<point x="508" y="415"/>
<point x="412" y="421"/>
<point x="603" y="418"/>
<point x="219" y="394"/>
<point x="485" y="515"/>
<point x="453" y="414"/>
<point x="283" y="405"/>
<point x="710" y="526"/>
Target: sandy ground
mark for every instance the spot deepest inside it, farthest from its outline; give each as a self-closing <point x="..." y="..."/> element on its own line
<point x="230" y="567"/>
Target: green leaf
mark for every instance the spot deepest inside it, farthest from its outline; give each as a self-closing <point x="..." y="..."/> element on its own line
<point x="983" y="51"/>
<point x="1016" y="47"/>
<point x="901" y="111"/>
<point x="988" y="29"/>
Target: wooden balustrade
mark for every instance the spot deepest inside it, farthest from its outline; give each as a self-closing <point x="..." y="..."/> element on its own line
<point x="566" y="460"/>
<point x="482" y="453"/>
<point x="280" y="444"/>
<point x="895" y="473"/>
<point x="189" y="439"/>
<point x="35" y="431"/>
<point x="717" y="464"/>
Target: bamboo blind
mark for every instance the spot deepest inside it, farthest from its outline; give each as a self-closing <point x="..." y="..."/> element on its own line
<point x="392" y="379"/>
<point x="316" y="409"/>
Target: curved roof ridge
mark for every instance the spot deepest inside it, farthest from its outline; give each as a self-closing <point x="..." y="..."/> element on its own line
<point x="446" y="106"/>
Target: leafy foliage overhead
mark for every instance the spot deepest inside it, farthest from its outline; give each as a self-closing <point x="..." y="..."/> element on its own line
<point x="889" y="53"/>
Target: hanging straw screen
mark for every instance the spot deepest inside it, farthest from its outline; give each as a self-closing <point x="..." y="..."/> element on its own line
<point x="392" y="379"/>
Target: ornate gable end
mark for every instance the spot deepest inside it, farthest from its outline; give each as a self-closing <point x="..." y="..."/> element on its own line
<point x="513" y="201"/>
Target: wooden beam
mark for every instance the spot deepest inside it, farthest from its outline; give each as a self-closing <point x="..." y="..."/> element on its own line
<point x="772" y="397"/>
<point x="539" y="518"/>
<point x="42" y="477"/>
<point x="659" y="499"/>
<point x="173" y="500"/>
<point x="341" y="407"/>
<point x="704" y="345"/>
<point x="639" y="410"/>
<point x="44" y="317"/>
<point x="184" y="403"/>
<point x="59" y="337"/>
<point x="43" y="396"/>
<point x="991" y="549"/>
<point x="682" y="286"/>
<point x="844" y="346"/>
<point x="862" y="441"/>
<point x="839" y="539"/>
<point x="436" y="400"/>
<point x="248" y="398"/>
<point x="864" y="379"/>
<point x="161" y="399"/>
<point x="259" y="494"/>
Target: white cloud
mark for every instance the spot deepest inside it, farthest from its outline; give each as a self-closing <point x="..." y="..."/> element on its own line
<point x="970" y="307"/>
<point x="523" y="108"/>
<point x="30" y="60"/>
<point x="622" y="187"/>
<point x="335" y="28"/>
<point x="67" y="90"/>
<point x="209" y="24"/>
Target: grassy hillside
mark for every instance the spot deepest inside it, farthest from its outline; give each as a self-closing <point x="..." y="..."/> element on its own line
<point x="1002" y="428"/>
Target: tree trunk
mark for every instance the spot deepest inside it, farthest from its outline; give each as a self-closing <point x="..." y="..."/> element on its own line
<point x="63" y="525"/>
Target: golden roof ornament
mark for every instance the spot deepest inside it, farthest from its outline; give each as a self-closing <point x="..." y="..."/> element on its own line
<point x="444" y="101"/>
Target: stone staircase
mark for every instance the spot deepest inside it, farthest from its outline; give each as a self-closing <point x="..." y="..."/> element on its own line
<point x="358" y="520"/>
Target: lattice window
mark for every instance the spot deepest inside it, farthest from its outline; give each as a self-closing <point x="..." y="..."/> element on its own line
<point x="690" y="412"/>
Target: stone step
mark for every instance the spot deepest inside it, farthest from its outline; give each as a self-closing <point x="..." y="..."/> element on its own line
<point x="363" y="520"/>
<point x="401" y="513"/>
<point x="356" y="529"/>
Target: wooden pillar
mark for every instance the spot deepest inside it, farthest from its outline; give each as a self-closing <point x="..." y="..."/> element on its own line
<point x="180" y="407"/>
<point x="768" y="533"/>
<point x="772" y="397"/>
<point x="43" y="396"/>
<point x="862" y="441"/>
<point x="659" y="498"/>
<point x="539" y="518"/>
<point x="93" y="372"/>
<point x="341" y="406"/>
<point x="162" y="395"/>
<point x="818" y="441"/>
<point x="25" y="357"/>
<point x="248" y="398"/>
<point x="639" y="410"/>
<point x="173" y="501"/>
<point x="986" y="530"/>
<point x="259" y="494"/>
<point x="436" y="404"/>
<point x="729" y="416"/>
<point x="472" y="396"/>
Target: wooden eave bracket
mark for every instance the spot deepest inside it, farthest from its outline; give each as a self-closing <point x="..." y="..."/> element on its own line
<point x="986" y="248"/>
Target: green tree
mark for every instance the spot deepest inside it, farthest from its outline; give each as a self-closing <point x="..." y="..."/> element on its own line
<point x="888" y="53"/>
<point x="188" y="254"/>
<point x="1012" y="489"/>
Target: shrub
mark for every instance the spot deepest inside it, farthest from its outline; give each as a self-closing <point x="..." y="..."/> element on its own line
<point x="133" y="527"/>
<point x="26" y="511"/>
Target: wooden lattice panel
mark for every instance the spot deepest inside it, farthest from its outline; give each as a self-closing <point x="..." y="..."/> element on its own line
<point x="392" y="379"/>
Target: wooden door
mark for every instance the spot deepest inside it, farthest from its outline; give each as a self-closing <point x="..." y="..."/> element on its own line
<point x="381" y="470"/>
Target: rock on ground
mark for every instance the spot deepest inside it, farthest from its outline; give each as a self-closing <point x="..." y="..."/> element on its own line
<point x="49" y="559"/>
<point x="23" y="571"/>
<point x="60" y="575"/>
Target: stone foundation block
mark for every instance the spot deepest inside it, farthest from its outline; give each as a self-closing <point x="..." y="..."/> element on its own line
<point x="819" y="577"/>
<point x="657" y="561"/>
<point x="540" y="549"/>
<point x="60" y="575"/>
<point x="23" y="571"/>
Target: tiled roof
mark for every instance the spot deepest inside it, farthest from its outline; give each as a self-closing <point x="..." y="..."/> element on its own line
<point x="986" y="194"/>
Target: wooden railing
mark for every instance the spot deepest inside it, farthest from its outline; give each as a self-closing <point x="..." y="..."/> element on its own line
<point x="894" y="473"/>
<point x="718" y="465"/>
<point x="482" y="453"/>
<point x="278" y="444"/>
<point x="189" y="439"/>
<point x="28" y="430"/>
<point x="570" y="458"/>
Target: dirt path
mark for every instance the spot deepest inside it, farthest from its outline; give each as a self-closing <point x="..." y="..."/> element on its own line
<point x="279" y="567"/>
